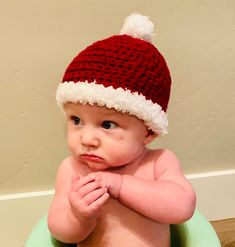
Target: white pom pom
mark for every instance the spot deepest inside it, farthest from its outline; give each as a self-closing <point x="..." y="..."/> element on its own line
<point x="138" y="26"/>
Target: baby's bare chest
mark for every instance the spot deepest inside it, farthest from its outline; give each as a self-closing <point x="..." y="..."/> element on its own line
<point x="118" y="226"/>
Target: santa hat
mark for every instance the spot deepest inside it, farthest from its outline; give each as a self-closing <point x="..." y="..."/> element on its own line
<point x="125" y="72"/>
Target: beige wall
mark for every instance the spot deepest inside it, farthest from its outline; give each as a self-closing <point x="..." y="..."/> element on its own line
<point x="39" y="39"/>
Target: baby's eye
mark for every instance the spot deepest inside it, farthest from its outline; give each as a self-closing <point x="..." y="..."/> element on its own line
<point x="108" y="125"/>
<point x="76" y="120"/>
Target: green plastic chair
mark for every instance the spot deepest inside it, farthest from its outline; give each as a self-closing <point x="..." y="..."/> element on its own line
<point x="196" y="232"/>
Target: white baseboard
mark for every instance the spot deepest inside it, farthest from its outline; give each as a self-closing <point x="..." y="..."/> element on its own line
<point x="26" y="195"/>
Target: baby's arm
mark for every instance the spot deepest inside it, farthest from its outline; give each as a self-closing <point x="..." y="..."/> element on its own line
<point x="76" y="205"/>
<point x="169" y="199"/>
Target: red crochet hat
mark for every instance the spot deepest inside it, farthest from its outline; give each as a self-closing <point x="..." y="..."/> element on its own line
<point x="125" y="72"/>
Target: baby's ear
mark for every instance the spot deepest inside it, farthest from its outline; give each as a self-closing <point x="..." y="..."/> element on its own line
<point x="149" y="137"/>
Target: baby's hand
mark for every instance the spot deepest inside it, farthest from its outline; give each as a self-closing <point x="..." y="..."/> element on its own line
<point x="86" y="197"/>
<point x="111" y="181"/>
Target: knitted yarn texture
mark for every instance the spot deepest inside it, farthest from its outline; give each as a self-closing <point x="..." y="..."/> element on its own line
<point x="122" y="72"/>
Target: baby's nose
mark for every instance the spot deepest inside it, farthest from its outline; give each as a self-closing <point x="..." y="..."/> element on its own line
<point x="89" y="137"/>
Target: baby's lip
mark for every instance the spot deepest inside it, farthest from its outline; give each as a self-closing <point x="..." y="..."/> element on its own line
<point x="91" y="157"/>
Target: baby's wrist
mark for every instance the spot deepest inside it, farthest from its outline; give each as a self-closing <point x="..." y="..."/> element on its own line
<point x="119" y="185"/>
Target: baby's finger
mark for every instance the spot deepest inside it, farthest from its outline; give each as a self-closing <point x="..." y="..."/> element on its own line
<point x="101" y="200"/>
<point x="88" y="188"/>
<point x="94" y="195"/>
<point x="83" y="181"/>
<point x="96" y="205"/>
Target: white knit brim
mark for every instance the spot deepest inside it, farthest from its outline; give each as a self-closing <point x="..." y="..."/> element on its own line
<point x="121" y="100"/>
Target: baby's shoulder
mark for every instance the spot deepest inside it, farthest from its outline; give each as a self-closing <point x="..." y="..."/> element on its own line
<point x="71" y="166"/>
<point x="67" y="164"/>
<point x="164" y="158"/>
<point x="158" y="162"/>
<point x="161" y="154"/>
<point x="65" y="169"/>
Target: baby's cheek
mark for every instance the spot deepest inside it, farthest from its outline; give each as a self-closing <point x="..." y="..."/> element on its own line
<point x="73" y="146"/>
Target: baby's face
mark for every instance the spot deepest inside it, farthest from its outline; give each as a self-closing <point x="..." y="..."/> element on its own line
<point x="103" y="138"/>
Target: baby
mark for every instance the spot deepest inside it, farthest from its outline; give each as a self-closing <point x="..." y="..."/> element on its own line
<point x="113" y="191"/>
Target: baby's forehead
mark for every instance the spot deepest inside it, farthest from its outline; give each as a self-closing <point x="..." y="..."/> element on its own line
<point x="104" y="110"/>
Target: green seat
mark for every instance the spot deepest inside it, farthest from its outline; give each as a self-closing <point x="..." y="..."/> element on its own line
<point x="196" y="232"/>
